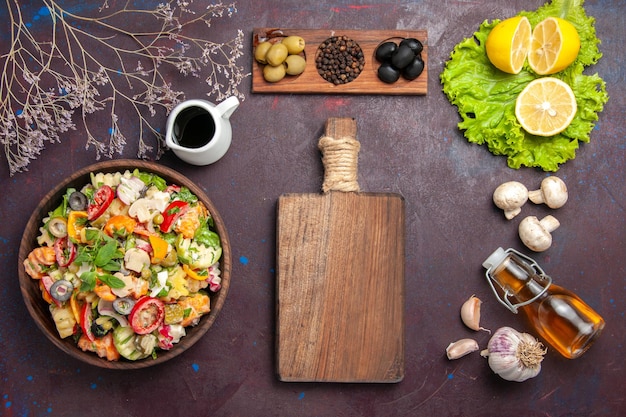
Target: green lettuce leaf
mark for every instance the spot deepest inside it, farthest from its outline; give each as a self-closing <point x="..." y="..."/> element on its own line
<point x="485" y="96"/>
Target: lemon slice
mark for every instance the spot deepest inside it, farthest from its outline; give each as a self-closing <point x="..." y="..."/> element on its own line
<point x="554" y="46"/>
<point x="508" y="44"/>
<point x="546" y="106"/>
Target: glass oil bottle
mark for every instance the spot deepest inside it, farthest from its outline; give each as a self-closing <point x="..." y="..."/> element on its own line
<point x="559" y="316"/>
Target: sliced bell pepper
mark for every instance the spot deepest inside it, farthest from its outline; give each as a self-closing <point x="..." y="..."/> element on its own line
<point x="195" y="275"/>
<point x="120" y="224"/>
<point x="103" y="291"/>
<point x="76" y="306"/>
<point x="172" y="213"/>
<point x="159" y="248"/>
<point x="75" y="223"/>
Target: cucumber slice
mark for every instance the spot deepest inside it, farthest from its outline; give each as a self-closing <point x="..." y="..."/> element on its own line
<point x="124" y="341"/>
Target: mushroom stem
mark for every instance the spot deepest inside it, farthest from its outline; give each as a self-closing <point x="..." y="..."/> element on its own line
<point x="550" y="223"/>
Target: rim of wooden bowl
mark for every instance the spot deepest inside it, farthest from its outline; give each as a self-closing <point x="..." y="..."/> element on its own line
<point x="38" y="308"/>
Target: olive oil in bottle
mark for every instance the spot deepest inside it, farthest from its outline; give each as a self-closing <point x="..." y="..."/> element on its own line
<point x="559" y="316"/>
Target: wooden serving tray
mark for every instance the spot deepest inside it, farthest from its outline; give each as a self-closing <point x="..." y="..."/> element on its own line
<point x="310" y="82"/>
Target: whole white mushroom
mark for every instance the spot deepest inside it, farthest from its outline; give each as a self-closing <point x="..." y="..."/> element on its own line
<point x="510" y="197"/>
<point x="536" y="234"/>
<point x="553" y="192"/>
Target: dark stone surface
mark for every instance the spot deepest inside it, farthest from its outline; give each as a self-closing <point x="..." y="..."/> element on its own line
<point x="409" y="145"/>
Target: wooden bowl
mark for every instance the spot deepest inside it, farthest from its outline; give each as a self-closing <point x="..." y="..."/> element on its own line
<point x="38" y="308"/>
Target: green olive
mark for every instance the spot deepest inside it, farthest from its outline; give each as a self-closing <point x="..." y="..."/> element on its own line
<point x="294" y="44"/>
<point x="170" y="260"/>
<point x="58" y="226"/>
<point x="261" y="51"/>
<point x="295" y="64"/>
<point x="158" y="219"/>
<point x="276" y="55"/>
<point x="274" y="74"/>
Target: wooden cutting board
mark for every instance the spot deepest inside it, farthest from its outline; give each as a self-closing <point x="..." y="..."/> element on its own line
<point x="310" y="82"/>
<point x="340" y="277"/>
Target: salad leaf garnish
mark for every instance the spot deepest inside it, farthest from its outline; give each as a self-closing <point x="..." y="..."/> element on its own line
<point x="151" y="179"/>
<point x="88" y="281"/>
<point x="90" y="278"/>
<point x="205" y="236"/>
<point x="485" y="97"/>
<point x="105" y="254"/>
<point x="186" y="195"/>
<point x="112" y="281"/>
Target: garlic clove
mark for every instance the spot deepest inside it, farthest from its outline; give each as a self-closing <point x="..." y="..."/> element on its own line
<point x="470" y="313"/>
<point x="460" y="348"/>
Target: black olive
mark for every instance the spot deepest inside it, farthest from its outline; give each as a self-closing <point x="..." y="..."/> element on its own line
<point x="123" y="305"/>
<point x="99" y="330"/>
<point x="402" y="57"/>
<point x="415" y="45"/>
<point x="414" y="69"/>
<point x="387" y="73"/>
<point x="77" y="201"/>
<point x="385" y="51"/>
<point x="61" y="290"/>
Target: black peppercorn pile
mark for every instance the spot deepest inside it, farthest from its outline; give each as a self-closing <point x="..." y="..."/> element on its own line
<point x="339" y="60"/>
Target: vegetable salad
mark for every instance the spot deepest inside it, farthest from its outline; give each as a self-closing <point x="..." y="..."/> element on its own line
<point x="126" y="263"/>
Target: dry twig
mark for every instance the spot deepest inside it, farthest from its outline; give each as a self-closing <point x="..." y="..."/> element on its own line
<point x="69" y="66"/>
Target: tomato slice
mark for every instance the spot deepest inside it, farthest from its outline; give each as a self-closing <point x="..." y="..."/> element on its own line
<point x="101" y="201"/>
<point x="147" y="315"/>
<point x="172" y="213"/>
<point x="86" y="320"/>
<point x="64" y="251"/>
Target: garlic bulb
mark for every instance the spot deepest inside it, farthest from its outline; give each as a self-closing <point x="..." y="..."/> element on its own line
<point x="513" y="355"/>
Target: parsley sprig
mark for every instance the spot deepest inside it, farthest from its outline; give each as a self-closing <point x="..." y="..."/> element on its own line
<point x="104" y="254"/>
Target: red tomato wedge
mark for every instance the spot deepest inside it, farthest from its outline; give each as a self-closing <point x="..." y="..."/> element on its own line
<point x="101" y="201"/>
<point x="147" y="315"/>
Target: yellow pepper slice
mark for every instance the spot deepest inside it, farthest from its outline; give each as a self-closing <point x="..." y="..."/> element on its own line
<point x="193" y="274"/>
<point x="75" y="223"/>
<point x="159" y="248"/>
<point x="76" y="306"/>
<point x="104" y="291"/>
<point x="120" y="224"/>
